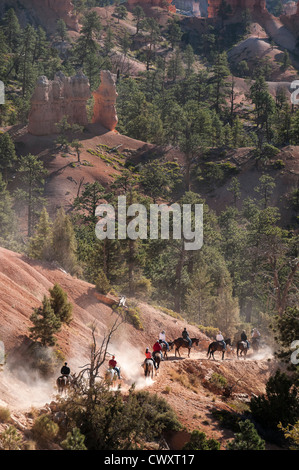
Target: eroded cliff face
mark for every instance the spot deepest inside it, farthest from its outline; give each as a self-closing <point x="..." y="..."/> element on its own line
<point x="252" y="5"/>
<point x="43" y="12"/>
<point x="67" y="97"/>
<point x="54" y="99"/>
<point x="105" y="97"/>
<point x="166" y="4"/>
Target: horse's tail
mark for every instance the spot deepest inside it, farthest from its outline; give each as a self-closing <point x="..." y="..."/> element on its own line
<point x="209" y="348"/>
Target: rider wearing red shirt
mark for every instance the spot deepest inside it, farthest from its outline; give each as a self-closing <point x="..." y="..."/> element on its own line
<point x="113" y="364"/>
<point x="157" y="348"/>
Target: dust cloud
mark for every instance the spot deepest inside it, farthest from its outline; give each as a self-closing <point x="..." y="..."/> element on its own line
<point x="130" y="361"/>
<point x="22" y="389"/>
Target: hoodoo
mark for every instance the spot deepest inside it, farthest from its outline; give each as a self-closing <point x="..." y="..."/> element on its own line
<point x="54" y="99"/>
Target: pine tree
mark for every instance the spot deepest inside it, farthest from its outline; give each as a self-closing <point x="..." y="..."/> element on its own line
<point x="40" y="243"/>
<point x="12" y="29"/>
<point x="7" y="215"/>
<point x="64" y="242"/>
<point x="247" y="438"/>
<point x="32" y="173"/>
<point x="60" y="305"/>
<point x="46" y="324"/>
<point x="8" y="155"/>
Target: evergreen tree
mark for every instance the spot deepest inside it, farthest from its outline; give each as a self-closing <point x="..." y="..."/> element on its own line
<point x="8" y="155"/>
<point x="39" y="246"/>
<point x="90" y="33"/>
<point x="138" y="14"/>
<point x="247" y="438"/>
<point x="220" y="71"/>
<point x="61" y="30"/>
<point x="60" y="305"/>
<point x="12" y="29"/>
<point x="64" y="242"/>
<point x="7" y="215"/>
<point x="31" y="172"/>
<point x="46" y="324"/>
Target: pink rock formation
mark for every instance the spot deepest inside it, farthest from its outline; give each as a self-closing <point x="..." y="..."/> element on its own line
<point x="52" y="100"/>
<point x="43" y="12"/>
<point x="105" y="102"/>
<point x="166" y="4"/>
<point x="252" y="5"/>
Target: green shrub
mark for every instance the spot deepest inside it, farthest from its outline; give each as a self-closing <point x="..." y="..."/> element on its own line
<point x="44" y="429"/>
<point x="199" y="441"/>
<point x="132" y="316"/>
<point x="10" y="439"/>
<point x="247" y="438"/>
<point x="74" y="441"/>
<point x="280" y="404"/>
<point x="218" y="380"/>
<point x="4" y="415"/>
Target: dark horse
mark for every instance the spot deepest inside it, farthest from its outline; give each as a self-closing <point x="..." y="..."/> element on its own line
<point x="183" y="343"/>
<point x="164" y="349"/>
<point x="63" y="383"/>
<point x="217" y="346"/>
<point x="157" y="358"/>
<point x="148" y="366"/>
<point x="242" y="347"/>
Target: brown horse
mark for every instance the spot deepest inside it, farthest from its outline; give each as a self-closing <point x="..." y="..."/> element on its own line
<point x="217" y="346"/>
<point x="157" y="359"/>
<point x="242" y="347"/>
<point x="63" y="383"/>
<point x="164" y="349"/>
<point x="183" y="343"/>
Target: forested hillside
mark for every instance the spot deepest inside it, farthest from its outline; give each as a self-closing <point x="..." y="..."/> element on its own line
<point x="204" y="116"/>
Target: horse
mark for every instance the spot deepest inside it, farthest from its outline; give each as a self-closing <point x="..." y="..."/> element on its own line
<point x="148" y="366"/>
<point x="183" y="343"/>
<point x="242" y="346"/>
<point x="217" y="346"/>
<point x="157" y="358"/>
<point x="164" y="349"/>
<point x="111" y="376"/>
<point x="63" y="383"/>
<point x="255" y="342"/>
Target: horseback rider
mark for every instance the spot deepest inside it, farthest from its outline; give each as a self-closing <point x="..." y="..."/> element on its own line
<point x="162" y="337"/>
<point x="220" y="339"/>
<point x="244" y="338"/>
<point x="255" y="336"/>
<point x="65" y="370"/>
<point x="113" y="365"/>
<point x="186" y="336"/>
<point x="148" y="355"/>
<point x="157" y="348"/>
